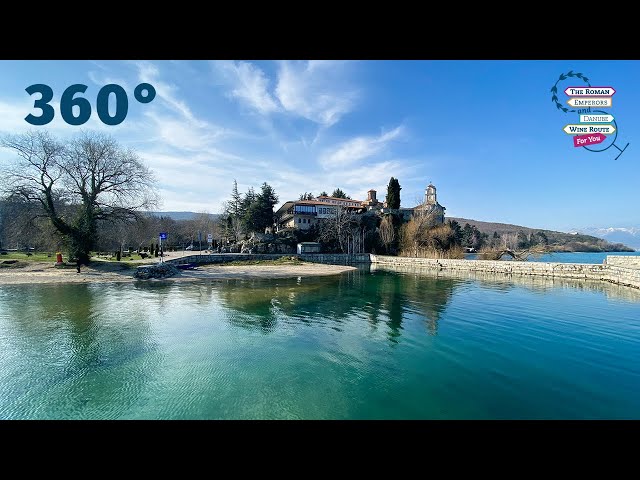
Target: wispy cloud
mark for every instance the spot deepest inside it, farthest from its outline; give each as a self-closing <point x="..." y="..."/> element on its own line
<point x="311" y="90"/>
<point x="196" y="151"/>
<point x="166" y="92"/>
<point x="358" y="149"/>
<point x="249" y="85"/>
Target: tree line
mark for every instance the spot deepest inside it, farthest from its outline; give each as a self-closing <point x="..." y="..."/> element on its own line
<point x="90" y="193"/>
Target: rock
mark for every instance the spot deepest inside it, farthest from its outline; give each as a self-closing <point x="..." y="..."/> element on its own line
<point x="262" y="237"/>
<point x="160" y="270"/>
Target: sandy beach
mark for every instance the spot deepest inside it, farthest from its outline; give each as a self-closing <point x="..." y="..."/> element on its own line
<point x="113" y="272"/>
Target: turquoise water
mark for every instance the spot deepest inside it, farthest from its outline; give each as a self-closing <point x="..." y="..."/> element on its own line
<point x="373" y="344"/>
<point x="570" y="257"/>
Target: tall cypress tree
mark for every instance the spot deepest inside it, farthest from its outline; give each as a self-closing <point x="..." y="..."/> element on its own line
<point x="393" y="193"/>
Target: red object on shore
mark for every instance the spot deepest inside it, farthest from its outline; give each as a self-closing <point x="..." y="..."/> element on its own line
<point x="58" y="257"/>
<point x="590" y="139"/>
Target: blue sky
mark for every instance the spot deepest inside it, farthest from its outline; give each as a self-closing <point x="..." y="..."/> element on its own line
<point x="484" y="132"/>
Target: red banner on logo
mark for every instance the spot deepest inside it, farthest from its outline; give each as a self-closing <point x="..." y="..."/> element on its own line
<point x="591" y="139"/>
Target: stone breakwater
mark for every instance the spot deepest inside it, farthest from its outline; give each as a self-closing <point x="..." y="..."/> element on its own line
<point x="611" y="271"/>
<point x="625" y="261"/>
<point x="620" y="270"/>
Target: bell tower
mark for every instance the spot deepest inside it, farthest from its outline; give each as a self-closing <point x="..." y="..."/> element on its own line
<point x="430" y="195"/>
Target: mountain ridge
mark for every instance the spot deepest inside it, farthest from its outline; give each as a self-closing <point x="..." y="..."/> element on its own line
<point x="575" y="241"/>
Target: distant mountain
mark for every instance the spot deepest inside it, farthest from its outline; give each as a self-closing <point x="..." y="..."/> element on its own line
<point x="573" y="242"/>
<point x="181" y="215"/>
<point x="627" y="235"/>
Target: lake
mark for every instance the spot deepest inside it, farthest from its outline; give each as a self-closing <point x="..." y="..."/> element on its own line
<point x="376" y="343"/>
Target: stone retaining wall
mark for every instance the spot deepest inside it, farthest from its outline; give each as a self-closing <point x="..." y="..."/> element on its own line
<point x="623" y="261"/>
<point x="608" y="273"/>
<point x="329" y="258"/>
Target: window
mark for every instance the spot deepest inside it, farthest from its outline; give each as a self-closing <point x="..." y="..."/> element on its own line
<point x="305" y="209"/>
<point x="299" y="220"/>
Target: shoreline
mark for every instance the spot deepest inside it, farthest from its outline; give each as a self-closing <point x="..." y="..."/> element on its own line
<point x="45" y="273"/>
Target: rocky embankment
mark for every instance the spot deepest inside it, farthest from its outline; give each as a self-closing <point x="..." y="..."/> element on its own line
<point x="264" y="243"/>
<point x="159" y="270"/>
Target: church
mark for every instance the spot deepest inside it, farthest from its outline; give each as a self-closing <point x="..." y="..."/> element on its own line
<point x="430" y="206"/>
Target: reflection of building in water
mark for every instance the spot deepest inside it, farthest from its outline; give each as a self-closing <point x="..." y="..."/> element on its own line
<point x="334" y="300"/>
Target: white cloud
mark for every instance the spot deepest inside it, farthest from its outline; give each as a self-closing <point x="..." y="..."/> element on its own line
<point x="167" y="93"/>
<point x="249" y="85"/>
<point x="101" y="79"/>
<point x="313" y="90"/>
<point x="358" y="148"/>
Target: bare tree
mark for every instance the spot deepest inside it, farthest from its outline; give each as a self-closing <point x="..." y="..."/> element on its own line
<point x="92" y="172"/>
<point x="387" y="231"/>
<point x="415" y="233"/>
<point x="338" y="228"/>
<point x="510" y="241"/>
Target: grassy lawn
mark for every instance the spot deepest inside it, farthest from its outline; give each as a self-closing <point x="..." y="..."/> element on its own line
<point x="51" y="258"/>
<point x="32" y="257"/>
<point x="278" y="261"/>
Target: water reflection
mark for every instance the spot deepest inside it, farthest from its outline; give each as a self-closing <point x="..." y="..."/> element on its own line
<point x="379" y="343"/>
<point x="94" y="361"/>
<point x="378" y="297"/>
<point x="506" y="283"/>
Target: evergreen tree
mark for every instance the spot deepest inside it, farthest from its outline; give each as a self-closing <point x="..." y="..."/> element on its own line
<point x="337" y="193"/>
<point x="323" y="194"/>
<point x="236" y="201"/>
<point x="260" y="212"/>
<point x="248" y="200"/>
<point x="541" y="238"/>
<point x="457" y="232"/>
<point x="467" y="235"/>
<point x="393" y="193"/>
<point x="306" y="196"/>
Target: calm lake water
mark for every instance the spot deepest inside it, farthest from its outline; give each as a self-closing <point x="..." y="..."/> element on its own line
<point x="570" y="257"/>
<point x="371" y="344"/>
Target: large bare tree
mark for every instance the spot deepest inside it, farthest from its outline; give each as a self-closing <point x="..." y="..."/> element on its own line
<point x="387" y="232"/>
<point x="92" y="173"/>
<point x="337" y="228"/>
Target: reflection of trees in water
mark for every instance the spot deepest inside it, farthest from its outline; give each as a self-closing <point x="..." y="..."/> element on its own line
<point x="337" y="299"/>
<point x="404" y="295"/>
<point x="90" y="346"/>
